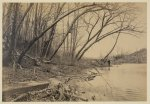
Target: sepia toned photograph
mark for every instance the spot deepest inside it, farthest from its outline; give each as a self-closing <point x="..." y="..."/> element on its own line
<point x="74" y="51"/>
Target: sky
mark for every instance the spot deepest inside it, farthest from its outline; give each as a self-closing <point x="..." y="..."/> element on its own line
<point x="126" y="43"/>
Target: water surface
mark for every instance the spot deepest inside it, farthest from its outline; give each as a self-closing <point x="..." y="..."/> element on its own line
<point x="126" y="82"/>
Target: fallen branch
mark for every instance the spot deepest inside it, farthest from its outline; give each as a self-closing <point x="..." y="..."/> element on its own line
<point x="22" y="97"/>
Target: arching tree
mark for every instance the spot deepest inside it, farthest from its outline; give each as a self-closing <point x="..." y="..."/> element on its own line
<point x="117" y="19"/>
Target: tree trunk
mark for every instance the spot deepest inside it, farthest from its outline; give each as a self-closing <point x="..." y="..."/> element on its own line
<point x="66" y="35"/>
<point x="42" y="34"/>
<point x="13" y="33"/>
<point x="112" y="47"/>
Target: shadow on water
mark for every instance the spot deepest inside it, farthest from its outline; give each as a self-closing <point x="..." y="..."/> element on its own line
<point x="127" y="82"/>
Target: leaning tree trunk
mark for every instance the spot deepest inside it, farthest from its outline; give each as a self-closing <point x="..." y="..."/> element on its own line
<point x="112" y="48"/>
<point x="42" y="34"/>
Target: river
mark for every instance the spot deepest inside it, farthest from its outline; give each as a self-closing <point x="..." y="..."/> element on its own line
<point x="126" y="82"/>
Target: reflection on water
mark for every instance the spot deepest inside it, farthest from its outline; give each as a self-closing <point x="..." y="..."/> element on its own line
<point x="125" y="82"/>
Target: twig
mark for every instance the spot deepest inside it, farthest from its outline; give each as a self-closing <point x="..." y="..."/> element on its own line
<point x="108" y="85"/>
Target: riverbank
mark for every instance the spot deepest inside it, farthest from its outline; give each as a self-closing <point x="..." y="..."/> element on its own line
<point x="84" y="81"/>
<point x="41" y="73"/>
<point x="44" y="73"/>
